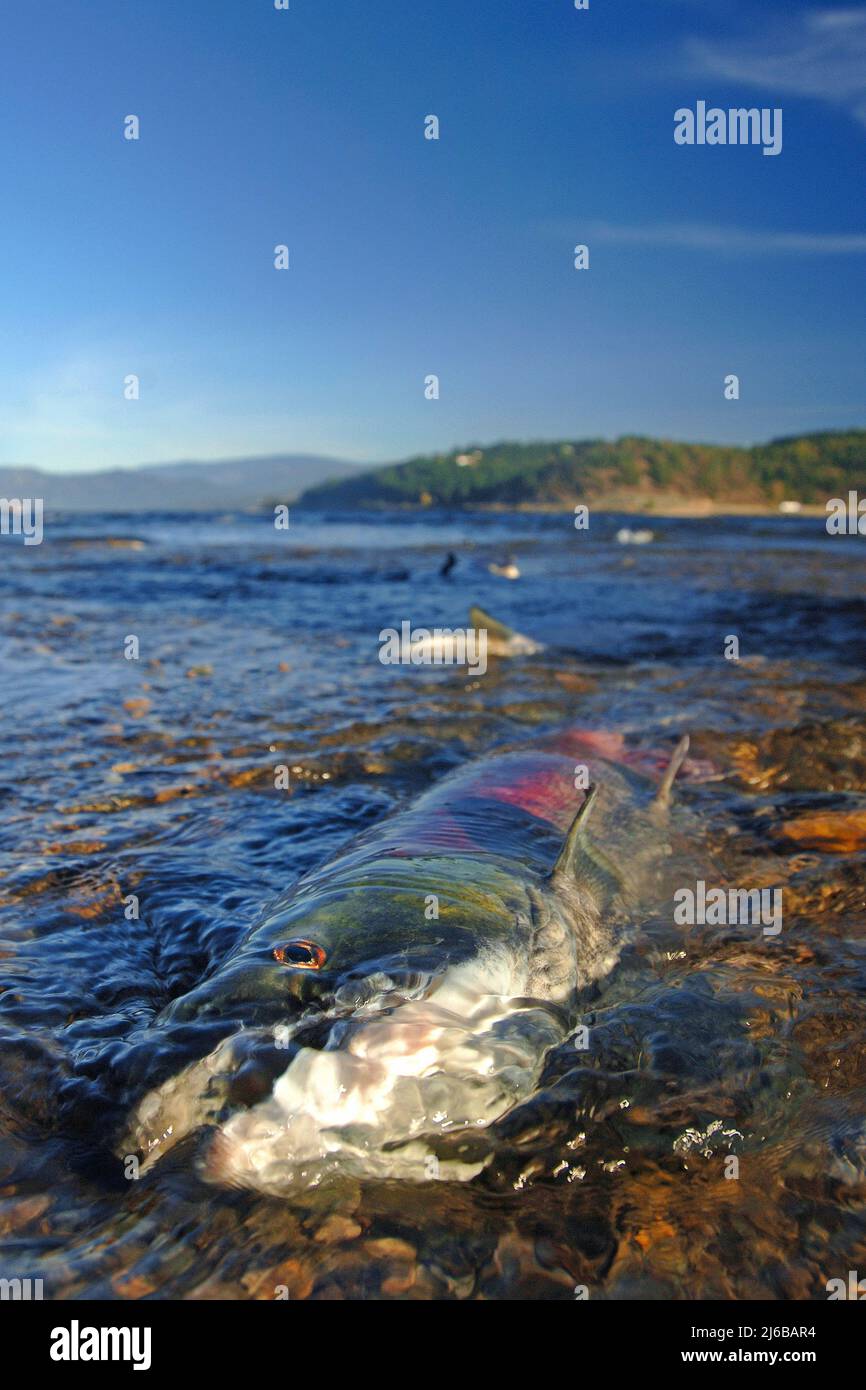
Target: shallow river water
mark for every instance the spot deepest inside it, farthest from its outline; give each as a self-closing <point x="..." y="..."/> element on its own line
<point x="155" y="778"/>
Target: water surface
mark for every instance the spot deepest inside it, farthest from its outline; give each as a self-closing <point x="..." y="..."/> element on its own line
<point x="155" y="777"/>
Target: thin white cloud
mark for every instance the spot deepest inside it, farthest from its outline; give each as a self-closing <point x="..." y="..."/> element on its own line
<point x="698" y="236"/>
<point x="816" y="54"/>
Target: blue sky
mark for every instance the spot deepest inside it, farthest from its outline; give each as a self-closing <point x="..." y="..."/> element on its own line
<point x="410" y="256"/>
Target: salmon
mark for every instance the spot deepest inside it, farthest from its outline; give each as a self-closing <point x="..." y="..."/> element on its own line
<point x="399" y="999"/>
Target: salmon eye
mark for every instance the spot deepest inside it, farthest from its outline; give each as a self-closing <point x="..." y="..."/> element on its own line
<point x="303" y="955"/>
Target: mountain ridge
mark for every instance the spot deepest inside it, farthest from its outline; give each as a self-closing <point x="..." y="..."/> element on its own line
<point x="633" y="472"/>
<point x="180" y="485"/>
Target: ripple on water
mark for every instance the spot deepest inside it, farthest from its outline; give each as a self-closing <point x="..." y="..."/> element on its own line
<point x="149" y="784"/>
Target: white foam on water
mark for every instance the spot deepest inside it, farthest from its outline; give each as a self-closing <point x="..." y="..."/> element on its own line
<point x="450" y="1063"/>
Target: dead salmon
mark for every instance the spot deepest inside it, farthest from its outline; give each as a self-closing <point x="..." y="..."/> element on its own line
<point x="402" y="997"/>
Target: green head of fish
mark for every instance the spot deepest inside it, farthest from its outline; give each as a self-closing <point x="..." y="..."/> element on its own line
<point x="404" y="1001"/>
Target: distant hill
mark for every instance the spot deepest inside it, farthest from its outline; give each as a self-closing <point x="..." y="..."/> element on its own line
<point x="632" y="473"/>
<point x="186" y="486"/>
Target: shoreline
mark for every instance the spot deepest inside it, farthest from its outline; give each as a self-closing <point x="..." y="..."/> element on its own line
<point x="694" y="509"/>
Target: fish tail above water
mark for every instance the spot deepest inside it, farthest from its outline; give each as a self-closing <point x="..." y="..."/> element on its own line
<point x="662" y="801"/>
<point x="502" y="640"/>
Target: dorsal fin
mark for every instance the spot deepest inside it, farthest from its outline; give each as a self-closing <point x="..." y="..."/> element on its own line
<point x="662" y="799"/>
<point x="478" y="618"/>
<point x="574" y="840"/>
<point x="582" y="863"/>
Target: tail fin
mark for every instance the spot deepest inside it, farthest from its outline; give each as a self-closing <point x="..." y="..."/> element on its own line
<point x="478" y="618"/>
<point x="662" y="800"/>
<point x="514" y="643"/>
